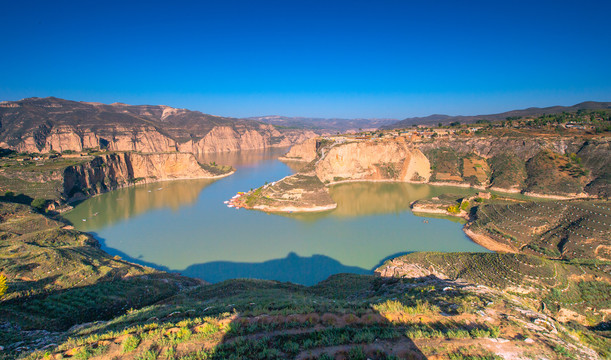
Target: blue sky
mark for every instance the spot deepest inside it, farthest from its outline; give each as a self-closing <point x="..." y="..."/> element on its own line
<point x="310" y="58"/>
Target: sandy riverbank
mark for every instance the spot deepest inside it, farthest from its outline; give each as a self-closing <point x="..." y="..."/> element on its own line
<point x="487" y="242"/>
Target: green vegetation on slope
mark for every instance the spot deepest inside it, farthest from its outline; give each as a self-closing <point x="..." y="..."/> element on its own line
<point x="554" y="229"/>
<point x="58" y="277"/>
<point x="508" y="171"/>
<point x="446" y="164"/>
<point x="551" y="173"/>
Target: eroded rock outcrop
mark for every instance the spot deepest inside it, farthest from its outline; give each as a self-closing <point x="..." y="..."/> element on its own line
<point x="304" y="151"/>
<point x="112" y="171"/>
<point x="384" y="160"/>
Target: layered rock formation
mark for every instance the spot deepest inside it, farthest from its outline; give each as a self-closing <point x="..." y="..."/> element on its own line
<point x="559" y="167"/>
<point x="397" y="161"/>
<point x="111" y="171"/>
<point x="551" y="167"/>
<point x="51" y="124"/>
<point x="304" y="151"/>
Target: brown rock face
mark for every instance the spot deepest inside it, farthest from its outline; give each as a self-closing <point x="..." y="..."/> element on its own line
<point x="149" y="140"/>
<point x="43" y="125"/>
<point x="396" y="161"/>
<point x="305" y="151"/>
<point x="108" y="172"/>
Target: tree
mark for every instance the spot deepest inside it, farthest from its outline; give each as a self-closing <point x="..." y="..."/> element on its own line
<point x="39" y="204"/>
<point x="3" y="286"/>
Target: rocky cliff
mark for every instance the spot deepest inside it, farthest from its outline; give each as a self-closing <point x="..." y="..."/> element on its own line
<point x="398" y="161"/>
<point x="51" y="124"/>
<point x="554" y="166"/>
<point x="303" y="151"/>
<point x="111" y="171"/>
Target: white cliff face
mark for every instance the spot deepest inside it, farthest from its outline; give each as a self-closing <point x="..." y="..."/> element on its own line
<point x="374" y="161"/>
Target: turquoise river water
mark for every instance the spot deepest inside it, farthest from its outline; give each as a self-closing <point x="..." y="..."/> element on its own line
<point x="183" y="226"/>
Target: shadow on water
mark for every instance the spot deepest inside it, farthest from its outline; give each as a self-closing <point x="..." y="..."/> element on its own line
<point x="293" y="268"/>
<point x="124" y="256"/>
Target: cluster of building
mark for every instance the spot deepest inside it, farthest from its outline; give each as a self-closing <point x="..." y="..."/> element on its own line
<point x="416" y="134"/>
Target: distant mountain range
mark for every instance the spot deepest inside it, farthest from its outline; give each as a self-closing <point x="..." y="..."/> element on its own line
<point x="533" y="111"/>
<point x="52" y="124"/>
<point x="321" y="125"/>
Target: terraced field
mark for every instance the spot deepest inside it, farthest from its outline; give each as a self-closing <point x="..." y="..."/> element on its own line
<point x="34" y="178"/>
<point x="59" y="277"/>
<point x="455" y="306"/>
<point x="519" y="273"/>
<point x="553" y="229"/>
<point x="302" y="192"/>
<point x="345" y="317"/>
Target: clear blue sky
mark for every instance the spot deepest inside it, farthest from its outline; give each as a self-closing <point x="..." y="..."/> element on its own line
<point x="310" y="58"/>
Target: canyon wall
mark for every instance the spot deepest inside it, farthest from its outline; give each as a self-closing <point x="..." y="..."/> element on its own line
<point x="560" y="167"/>
<point x="398" y="161"/>
<point x="148" y="139"/>
<point x="112" y="171"/>
<point x="42" y="125"/>
<point x="303" y="151"/>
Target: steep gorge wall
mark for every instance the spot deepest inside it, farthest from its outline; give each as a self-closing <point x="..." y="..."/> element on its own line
<point x="304" y="151"/>
<point x="112" y="171"/>
<point x="565" y="167"/>
<point x="149" y="139"/>
<point x="52" y="124"/>
<point x="399" y="161"/>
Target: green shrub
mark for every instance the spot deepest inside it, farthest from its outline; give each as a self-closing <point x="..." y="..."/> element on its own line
<point x="148" y="355"/>
<point x="3" y="285"/>
<point x="357" y="353"/>
<point x="480" y="333"/>
<point x="454" y="209"/>
<point x="130" y="344"/>
<point x="39" y="204"/>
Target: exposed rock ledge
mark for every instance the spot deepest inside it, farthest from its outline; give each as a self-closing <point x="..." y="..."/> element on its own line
<point x="305" y="151"/>
<point x="115" y="170"/>
<point x="343" y="159"/>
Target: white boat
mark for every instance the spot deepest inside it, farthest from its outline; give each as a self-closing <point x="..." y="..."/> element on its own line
<point x="229" y="205"/>
<point x="225" y="202"/>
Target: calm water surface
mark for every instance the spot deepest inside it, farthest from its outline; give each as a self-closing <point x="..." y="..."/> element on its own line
<point x="184" y="226"/>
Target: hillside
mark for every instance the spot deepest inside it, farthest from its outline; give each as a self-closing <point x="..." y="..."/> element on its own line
<point x="59" y="179"/>
<point x="530" y="112"/>
<point x="324" y="125"/>
<point x="68" y="299"/>
<point x="553" y="166"/>
<point x="51" y="124"/>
